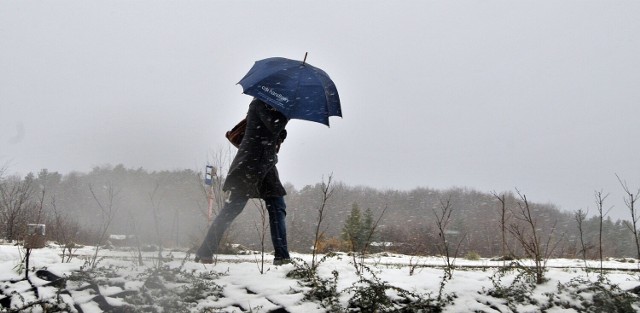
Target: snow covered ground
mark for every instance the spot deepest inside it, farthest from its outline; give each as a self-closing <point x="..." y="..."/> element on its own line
<point x="241" y="283"/>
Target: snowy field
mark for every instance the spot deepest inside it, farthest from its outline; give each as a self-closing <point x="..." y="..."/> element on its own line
<point x="242" y="283"/>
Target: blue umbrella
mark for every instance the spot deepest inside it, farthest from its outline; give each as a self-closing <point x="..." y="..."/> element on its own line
<point x="297" y="89"/>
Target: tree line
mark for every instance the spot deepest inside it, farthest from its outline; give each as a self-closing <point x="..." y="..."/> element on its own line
<point x="170" y="209"/>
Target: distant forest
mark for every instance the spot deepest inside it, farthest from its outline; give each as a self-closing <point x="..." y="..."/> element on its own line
<point x="170" y="208"/>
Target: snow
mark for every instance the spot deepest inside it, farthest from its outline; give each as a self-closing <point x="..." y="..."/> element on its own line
<point x="236" y="284"/>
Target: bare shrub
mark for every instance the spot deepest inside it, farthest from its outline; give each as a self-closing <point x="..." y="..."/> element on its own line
<point x="107" y="212"/>
<point x="326" y="192"/>
<point x="580" y="216"/>
<point x="630" y="202"/>
<point x="600" y="198"/>
<point x="65" y="231"/>
<point x="445" y="247"/>
<point x="528" y="233"/>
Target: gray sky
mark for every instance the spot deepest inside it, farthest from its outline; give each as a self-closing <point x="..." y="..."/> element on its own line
<point x="542" y="96"/>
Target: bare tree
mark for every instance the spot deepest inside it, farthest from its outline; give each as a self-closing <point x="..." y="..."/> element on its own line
<point x="155" y="212"/>
<point x="15" y="201"/>
<point x="599" y="198"/>
<point x="262" y="232"/>
<point x="38" y="207"/>
<point x="133" y="222"/>
<point x="32" y="210"/>
<point x="503" y="221"/>
<point x="580" y="216"/>
<point x="65" y="232"/>
<point x="630" y="202"/>
<point x="108" y="211"/>
<point x="443" y="218"/>
<point x="327" y="191"/>
<point x="529" y="236"/>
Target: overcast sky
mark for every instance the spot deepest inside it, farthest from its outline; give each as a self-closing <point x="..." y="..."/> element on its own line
<point x="543" y="96"/>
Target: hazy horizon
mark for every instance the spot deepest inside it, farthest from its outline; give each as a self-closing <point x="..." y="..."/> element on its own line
<point x="537" y="95"/>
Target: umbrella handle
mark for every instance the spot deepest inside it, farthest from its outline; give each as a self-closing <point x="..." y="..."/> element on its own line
<point x="305" y="58"/>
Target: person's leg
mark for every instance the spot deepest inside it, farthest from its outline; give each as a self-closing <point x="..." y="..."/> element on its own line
<point x="229" y="212"/>
<point x="277" y="213"/>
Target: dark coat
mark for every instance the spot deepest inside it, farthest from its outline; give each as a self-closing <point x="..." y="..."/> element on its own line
<point x="253" y="170"/>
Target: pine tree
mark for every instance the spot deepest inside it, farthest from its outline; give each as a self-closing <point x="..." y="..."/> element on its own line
<point x="366" y="228"/>
<point x="351" y="232"/>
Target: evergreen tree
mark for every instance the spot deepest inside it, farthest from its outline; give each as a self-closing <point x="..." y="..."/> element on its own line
<point x="366" y="228"/>
<point x="358" y="228"/>
<point x="351" y="232"/>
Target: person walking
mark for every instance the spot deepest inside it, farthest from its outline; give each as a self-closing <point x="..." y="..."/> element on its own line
<point x="253" y="174"/>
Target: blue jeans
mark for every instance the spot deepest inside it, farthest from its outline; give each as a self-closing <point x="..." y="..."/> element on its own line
<point x="277" y="212"/>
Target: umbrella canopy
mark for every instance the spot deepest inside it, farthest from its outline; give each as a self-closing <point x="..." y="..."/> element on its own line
<point x="297" y="89"/>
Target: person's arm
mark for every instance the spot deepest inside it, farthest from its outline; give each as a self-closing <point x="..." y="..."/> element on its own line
<point x="271" y="118"/>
